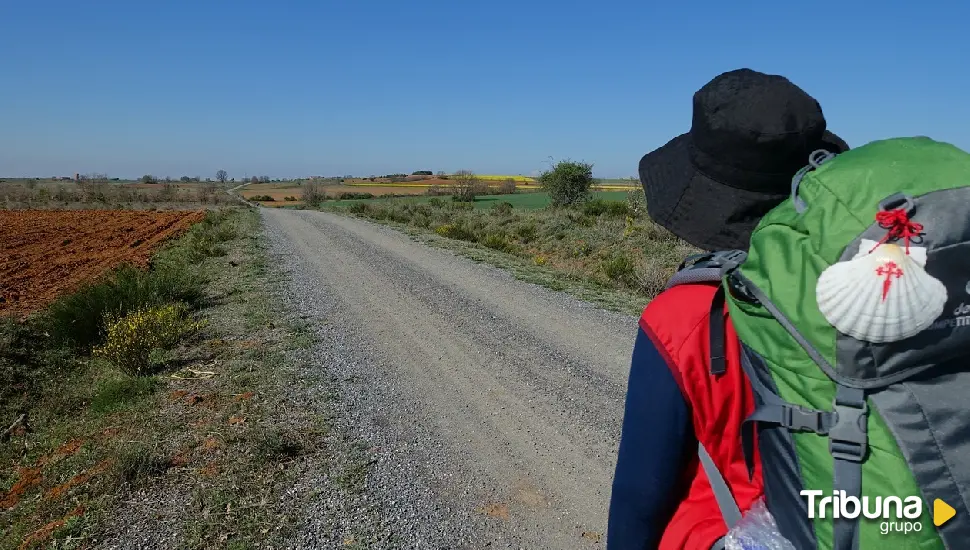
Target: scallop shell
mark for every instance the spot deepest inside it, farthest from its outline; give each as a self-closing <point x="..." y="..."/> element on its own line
<point x="881" y="295"/>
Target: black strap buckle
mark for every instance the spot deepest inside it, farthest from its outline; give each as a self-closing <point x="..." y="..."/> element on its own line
<point x="801" y="419"/>
<point x="849" y="437"/>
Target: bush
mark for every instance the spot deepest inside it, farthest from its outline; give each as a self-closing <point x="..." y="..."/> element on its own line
<point x="503" y="208"/>
<point x="359" y="208"/>
<point x="568" y="182"/>
<point x="599" y="207"/>
<point x="498" y="241"/>
<point x="352" y="196"/>
<point x="528" y="232"/>
<point x="130" y="339"/>
<point x="77" y="319"/>
<point x="620" y="268"/>
<point x="466" y="187"/>
<point x="289" y="199"/>
<point x="507" y="187"/>
<point x="456" y="231"/>
<point x="313" y="193"/>
<point x="636" y="202"/>
<point x="262" y="198"/>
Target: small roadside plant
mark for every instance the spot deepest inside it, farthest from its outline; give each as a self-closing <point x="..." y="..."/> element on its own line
<point x="568" y="182"/>
<point x="131" y="339"/>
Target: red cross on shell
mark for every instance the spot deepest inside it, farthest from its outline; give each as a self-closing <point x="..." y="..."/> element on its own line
<point x="888" y="270"/>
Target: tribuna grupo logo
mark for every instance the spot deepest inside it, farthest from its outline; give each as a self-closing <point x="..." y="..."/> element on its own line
<point x="896" y="514"/>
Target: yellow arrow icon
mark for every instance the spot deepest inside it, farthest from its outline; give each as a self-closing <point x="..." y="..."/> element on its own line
<point x="942" y="512"/>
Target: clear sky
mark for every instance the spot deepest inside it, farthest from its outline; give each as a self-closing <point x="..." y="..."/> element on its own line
<point x="286" y="88"/>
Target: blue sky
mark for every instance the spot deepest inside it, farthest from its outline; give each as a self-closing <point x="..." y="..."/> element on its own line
<point x="288" y="88"/>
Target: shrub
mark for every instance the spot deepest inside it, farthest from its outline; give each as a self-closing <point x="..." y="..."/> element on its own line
<point x="507" y="187"/>
<point x="262" y="198"/>
<point x="599" y="207"/>
<point x="456" y="231"/>
<point x="359" y="208"/>
<point x="466" y="187"/>
<point x="620" y="268"/>
<point x="498" y="241"/>
<point x="289" y="199"/>
<point x="436" y="203"/>
<point x="636" y="202"/>
<point x="352" y="196"/>
<point x="503" y="208"/>
<point x="313" y="193"/>
<point x="568" y="182"/>
<point x="527" y="232"/>
<point x="131" y="338"/>
<point x="77" y="319"/>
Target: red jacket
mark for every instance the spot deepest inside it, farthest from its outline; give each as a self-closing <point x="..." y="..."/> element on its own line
<point x="677" y="322"/>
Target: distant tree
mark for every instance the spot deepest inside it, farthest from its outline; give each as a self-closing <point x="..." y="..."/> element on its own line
<point x="233" y="180"/>
<point x="222" y="176"/>
<point x="185" y="179"/>
<point x="440" y="173"/>
<point x="466" y="186"/>
<point x="313" y="192"/>
<point x="507" y="187"/>
<point x="254" y="179"/>
<point x="567" y="182"/>
<point x="168" y="179"/>
<point x="148" y="178"/>
<point x="264" y="179"/>
<point x="421" y="173"/>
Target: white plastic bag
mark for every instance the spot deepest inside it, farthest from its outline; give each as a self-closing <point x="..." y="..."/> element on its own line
<point x="757" y="530"/>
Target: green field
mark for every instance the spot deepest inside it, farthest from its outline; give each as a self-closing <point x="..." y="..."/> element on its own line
<point x="525" y="201"/>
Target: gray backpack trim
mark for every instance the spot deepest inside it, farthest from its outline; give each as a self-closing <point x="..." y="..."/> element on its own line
<point x="722" y="493"/>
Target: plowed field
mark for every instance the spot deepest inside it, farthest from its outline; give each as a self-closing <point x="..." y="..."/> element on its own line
<point x="46" y="253"/>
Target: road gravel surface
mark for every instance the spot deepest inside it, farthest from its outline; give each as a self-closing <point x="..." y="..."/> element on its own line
<point x="492" y="406"/>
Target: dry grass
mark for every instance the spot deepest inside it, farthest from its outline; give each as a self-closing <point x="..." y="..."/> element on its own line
<point x="608" y="244"/>
<point x="28" y="194"/>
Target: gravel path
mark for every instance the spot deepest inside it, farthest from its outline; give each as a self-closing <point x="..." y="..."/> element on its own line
<point x="493" y="406"/>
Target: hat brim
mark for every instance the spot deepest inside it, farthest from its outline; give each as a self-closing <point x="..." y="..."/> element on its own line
<point x="707" y="214"/>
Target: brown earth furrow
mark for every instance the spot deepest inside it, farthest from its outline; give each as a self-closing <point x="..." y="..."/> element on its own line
<point x="45" y="253"/>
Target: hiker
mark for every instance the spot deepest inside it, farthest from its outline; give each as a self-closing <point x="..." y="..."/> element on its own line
<point x="751" y="132"/>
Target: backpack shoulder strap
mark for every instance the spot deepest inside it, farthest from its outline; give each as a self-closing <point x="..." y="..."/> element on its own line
<point x="711" y="267"/>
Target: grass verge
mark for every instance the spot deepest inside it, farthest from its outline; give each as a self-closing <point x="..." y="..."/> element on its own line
<point x="604" y="251"/>
<point x="200" y="449"/>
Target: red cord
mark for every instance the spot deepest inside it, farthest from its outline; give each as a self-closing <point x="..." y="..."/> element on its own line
<point x="898" y="226"/>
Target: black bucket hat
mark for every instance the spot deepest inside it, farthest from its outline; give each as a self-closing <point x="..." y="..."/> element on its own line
<point x="750" y="133"/>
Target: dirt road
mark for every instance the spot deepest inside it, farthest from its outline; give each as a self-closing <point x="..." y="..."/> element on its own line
<point x="493" y="405"/>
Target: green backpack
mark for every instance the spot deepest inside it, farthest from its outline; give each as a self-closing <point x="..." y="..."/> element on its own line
<point x="884" y="412"/>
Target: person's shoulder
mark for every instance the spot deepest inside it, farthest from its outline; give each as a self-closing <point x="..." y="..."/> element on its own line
<point x="676" y="313"/>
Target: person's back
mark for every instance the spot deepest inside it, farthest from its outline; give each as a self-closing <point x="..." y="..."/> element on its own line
<point x="710" y="187"/>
